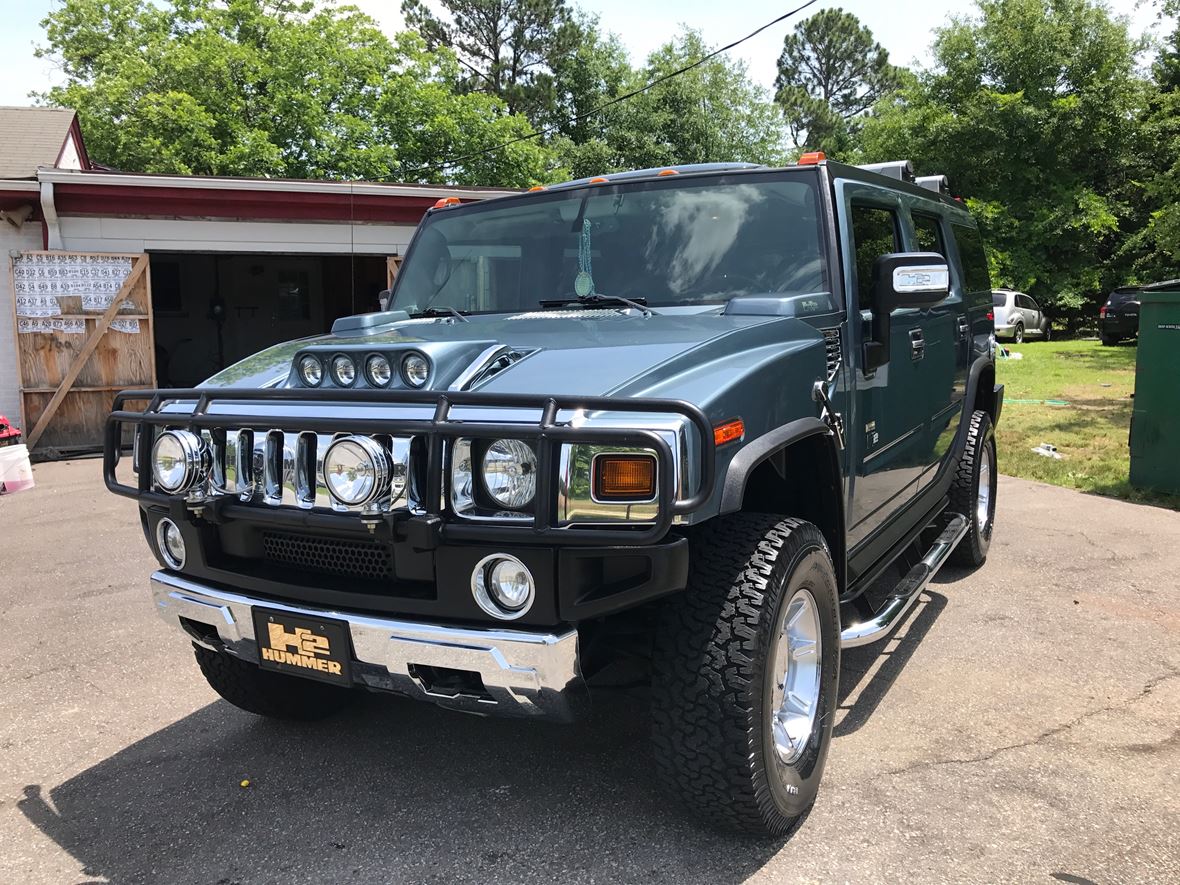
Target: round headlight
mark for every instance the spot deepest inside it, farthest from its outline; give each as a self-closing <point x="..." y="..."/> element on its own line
<point x="170" y="543"/>
<point x="379" y="371"/>
<point x="178" y="458"/>
<point x="311" y="371"/>
<point x="356" y="470"/>
<point x="343" y="370"/>
<point x="510" y="473"/>
<point x="415" y="370"/>
<point x="503" y="586"/>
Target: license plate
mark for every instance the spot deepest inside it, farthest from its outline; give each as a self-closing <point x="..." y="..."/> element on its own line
<point x="314" y="647"/>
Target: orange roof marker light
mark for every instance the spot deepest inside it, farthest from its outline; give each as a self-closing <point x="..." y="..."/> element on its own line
<point x="811" y="158"/>
<point x="669" y="172"/>
<point x="537" y="187"/>
<point x="728" y="431"/>
<point x="598" y="179"/>
<point x="446" y="201"/>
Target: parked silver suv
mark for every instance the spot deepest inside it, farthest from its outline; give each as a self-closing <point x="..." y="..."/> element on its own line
<point x="1018" y="316"/>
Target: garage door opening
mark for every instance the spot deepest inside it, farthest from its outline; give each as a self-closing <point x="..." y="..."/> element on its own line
<point x="212" y="310"/>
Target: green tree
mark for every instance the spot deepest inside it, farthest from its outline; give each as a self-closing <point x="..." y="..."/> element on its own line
<point x="1031" y="109"/>
<point x="508" y="48"/>
<point x="274" y="88"/>
<point x="713" y="113"/>
<point x="830" y="72"/>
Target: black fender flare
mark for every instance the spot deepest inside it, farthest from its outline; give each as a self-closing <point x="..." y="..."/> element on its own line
<point x="733" y="491"/>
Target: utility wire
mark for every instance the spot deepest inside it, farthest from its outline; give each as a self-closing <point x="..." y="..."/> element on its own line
<point x="415" y="173"/>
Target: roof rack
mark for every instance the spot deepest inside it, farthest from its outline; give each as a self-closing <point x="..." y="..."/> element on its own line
<point x="902" y="170"/>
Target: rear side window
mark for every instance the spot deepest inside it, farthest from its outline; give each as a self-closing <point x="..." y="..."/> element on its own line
<point x="970" y="243"/>
<point x="928" y="234"/>
<point x="999" y="299"/>
<point x="874" y="233"/>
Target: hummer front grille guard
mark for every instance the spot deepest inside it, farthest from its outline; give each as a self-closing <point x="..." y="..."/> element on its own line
<point x="431" y="526"/>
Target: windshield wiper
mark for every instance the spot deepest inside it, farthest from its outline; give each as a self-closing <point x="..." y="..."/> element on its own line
<point x="597" y="300"/>
<point x="441" y="312"/>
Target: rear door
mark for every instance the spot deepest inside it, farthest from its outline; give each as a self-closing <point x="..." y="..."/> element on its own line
<point x="947" y="338"/>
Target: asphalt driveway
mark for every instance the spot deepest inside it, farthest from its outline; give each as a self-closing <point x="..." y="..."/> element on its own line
<point x="1024" y="726"/>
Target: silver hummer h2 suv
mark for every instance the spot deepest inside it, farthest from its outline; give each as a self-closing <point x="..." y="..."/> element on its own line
<point x="688" y="420"/>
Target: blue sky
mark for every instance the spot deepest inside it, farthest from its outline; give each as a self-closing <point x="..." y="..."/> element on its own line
<point x="904" y="27"/>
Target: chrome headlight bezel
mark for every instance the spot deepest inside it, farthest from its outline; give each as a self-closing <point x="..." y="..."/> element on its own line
<point x="172" y="559"/>
<point x="191" y="454"/>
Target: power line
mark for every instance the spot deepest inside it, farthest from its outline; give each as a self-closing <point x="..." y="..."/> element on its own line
<point x="415" y="173"/>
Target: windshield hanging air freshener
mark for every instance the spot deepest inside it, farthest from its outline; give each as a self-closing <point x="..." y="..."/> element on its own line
<point x="584" y="282"/>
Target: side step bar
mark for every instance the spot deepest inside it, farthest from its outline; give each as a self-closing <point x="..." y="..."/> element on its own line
<point x="906" y="593"/>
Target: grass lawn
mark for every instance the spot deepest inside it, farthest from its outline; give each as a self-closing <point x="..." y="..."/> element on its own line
<point x="1090" y="432"/>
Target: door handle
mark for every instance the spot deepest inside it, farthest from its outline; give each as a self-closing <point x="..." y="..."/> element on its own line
<point x="917" y="344"/>
<point x="964" y="327"/>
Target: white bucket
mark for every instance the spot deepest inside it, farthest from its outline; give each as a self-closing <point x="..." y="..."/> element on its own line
<point x="16" y="473"/>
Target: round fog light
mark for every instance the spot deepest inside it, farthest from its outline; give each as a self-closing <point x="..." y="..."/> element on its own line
<point x="415" y="370"/>
<point x="178" y="460"/>
<point x="170" y="543"/>
<point x="503" y="586"/>
<point x="311" y="371"/>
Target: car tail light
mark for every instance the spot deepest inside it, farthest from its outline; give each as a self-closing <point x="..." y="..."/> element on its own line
<point x="1102" y="312"/>
<point x="991" y="315"/>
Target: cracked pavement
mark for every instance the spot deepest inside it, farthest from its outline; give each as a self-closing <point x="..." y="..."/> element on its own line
<point x="1024" y="725"/>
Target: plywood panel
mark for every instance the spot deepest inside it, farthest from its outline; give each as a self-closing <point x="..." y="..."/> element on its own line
<point x="72" y="376"/>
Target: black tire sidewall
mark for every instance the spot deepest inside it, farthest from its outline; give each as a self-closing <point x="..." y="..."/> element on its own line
<point x="974" y="547"/>
<point x="1018" y="334"/>
<point x="793" y="787"/>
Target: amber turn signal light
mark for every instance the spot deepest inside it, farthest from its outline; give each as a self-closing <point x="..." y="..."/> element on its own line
<point x="811" y="158"/>
<point x="728" y="431"/>
<point x="624" y="478"/>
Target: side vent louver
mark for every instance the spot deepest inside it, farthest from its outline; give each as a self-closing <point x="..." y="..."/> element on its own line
<point x="834" y="350"/>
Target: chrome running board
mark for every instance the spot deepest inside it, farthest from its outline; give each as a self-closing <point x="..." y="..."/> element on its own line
<point x="906" y="592"/>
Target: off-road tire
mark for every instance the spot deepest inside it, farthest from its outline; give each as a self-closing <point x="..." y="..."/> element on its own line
<point x="1018" y="334"/>
<point x="1109" y="341"/>
<point x="275" y="695"/>
<point x="711" y="689"/>
<point x="971" y="552"/>
<point x="1047" y="335"/>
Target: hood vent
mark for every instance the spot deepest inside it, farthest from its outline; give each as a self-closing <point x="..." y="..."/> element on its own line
<point x="834" y="351"/>
<point x="488" y="365"/>
<point x="567" y="314"/>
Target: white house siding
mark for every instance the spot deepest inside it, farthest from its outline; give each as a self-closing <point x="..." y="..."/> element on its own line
<point x="210" y="235"/>
<point x="11" y="240"/>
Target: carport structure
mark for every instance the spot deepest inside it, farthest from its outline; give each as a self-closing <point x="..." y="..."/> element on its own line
<point x="232" y="265"/>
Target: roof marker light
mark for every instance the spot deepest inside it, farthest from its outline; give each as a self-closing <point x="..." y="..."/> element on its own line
<point x="598" y="179"/>
<point x="811" y="158"/>
<point x="668" y="172"/>
<point x="443" y="202"/>
<point x="537" y="187"/>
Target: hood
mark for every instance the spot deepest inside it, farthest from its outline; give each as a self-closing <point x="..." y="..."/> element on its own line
<point x="577" y="352"/>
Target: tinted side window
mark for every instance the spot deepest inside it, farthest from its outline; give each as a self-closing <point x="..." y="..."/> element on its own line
<point x="975" y="275"/>
<point x="874" y="233"/>
<point x="928" y="234"/>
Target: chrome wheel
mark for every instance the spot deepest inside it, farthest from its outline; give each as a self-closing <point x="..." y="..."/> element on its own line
<point x="794" y="699"/>
<point x="983" y="500"/>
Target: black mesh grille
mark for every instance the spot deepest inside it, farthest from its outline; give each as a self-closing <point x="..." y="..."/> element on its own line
<point x="832" y="344"/>
<point x="367" y="560"/>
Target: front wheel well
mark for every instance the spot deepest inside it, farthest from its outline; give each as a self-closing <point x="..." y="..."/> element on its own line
<point x="803" y="480"/>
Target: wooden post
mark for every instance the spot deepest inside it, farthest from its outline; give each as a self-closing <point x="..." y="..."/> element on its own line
<point x="100" y="329"/>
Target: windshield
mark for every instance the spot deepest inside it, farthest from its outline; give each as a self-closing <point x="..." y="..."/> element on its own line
<point x="669" y="242"/>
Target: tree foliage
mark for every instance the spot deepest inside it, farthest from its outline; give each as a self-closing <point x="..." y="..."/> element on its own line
<point x="713" y="113"/>
<point x="830" y="73"/>
<point x="1030" y="109"/>
<point x="507" y="48"/>
<point x="273" y="88"/>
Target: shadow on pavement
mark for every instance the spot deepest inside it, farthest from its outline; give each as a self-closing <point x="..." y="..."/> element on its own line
<point x="391" y="791"/>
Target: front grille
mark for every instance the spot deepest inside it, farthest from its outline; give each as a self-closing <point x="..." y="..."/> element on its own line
<point x="366" y="560"/>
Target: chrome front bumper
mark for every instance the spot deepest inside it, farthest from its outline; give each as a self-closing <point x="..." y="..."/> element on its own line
<point x="523" y="674"/>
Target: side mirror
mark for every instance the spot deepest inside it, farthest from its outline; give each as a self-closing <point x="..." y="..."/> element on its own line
<point x="900" y="280"/>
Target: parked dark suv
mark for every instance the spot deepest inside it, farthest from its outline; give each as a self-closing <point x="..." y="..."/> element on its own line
<point x="1119" y="317"/>
<point x="681" y="420"/>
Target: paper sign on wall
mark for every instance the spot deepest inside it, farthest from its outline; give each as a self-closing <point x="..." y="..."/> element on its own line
<point x="131" y="327"/>
<point x="49" y="325"/>
<point x="96" y="278"/>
